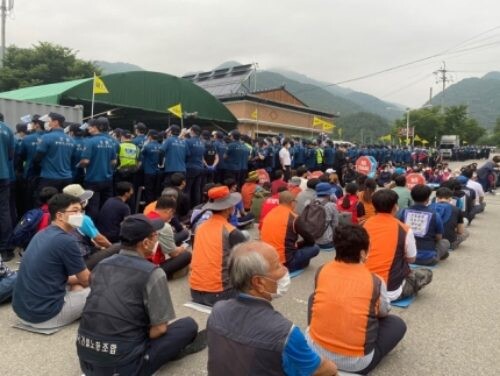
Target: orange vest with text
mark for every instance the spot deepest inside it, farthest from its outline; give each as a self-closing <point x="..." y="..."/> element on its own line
<point x="387" y="254"/>
<point x="209" y="265"/>
<point x="345" y="309"/>
<point x="278" y="231"/>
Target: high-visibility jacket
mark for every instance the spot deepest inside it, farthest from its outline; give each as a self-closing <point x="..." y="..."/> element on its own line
<point x="387" y="254"/>
<point x="128" y="154"/>
<point x="209" y="265"/>
<point x="345" y="309"/>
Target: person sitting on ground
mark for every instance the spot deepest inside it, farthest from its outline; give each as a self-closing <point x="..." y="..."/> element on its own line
<point x="365" y="197"/>
<point x="451" y="216"/>
<point x="198" y="216"/>
<point x="248" y="189"/>
<point x="52" y="282"/>
<point x="280" y="230"/>
<point x="126" y="326"/>
<point x="363" y="332"/>
<point x="393" y="248"/>
<point x="335" y="184"/>
<point x="239" y="217"/>
<point x="294" y="186"/>
<point x="178" y="182"/>
<point x="325" y="194"/>
<point x="89" y="239"/>
<point x="260" y="195"/>
<point x="269" y="204"/>
<point x="486" y="174"/>
<point x="278" y="182"/>
<point x="306" y="196"/>
<point x="170" y="257"/>
<point x="479" y="203"/>
<point x="114" y="210"/>
<point x="246" y="335"/>
<point x="427" y="227"/>
<point x="404" y="196"/>
<point x="302" y="174"/>
<point x="350" y="209"/>
<point x="214" y="239"/>
<point x="7" y="282"/>
<point x="45" y="195"/>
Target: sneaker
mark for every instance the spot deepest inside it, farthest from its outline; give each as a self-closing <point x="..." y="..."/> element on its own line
<point x="199" y="343"/>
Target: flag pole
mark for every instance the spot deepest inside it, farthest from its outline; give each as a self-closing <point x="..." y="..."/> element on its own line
<point x="93" y="97"/>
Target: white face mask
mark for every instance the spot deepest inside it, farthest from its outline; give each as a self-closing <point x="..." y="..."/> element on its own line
<point x="46" y="126"/>
<point x="283" y="286"/>
<point x="75" y="220"/>
<point x="156" y="246"/>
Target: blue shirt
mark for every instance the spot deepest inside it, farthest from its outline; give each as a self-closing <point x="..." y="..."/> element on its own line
<point x="28" y="151"/>
<point x="51" y="257"/>
<point x="298" y="357"/>
<point x="175" y="154"/>
<point x="150" y="157"/>
<point x="329" y="155"/>
<point x="111" y="216"/>
<point x="100" y="151"/>
<point x="58" y="149"/>
<point x="235" y="152"/>
<point x="426" y="224"/>
<point x="221" y="148"/>
<point x="196" y="151"/>
<point x="7" y="150"/>
<point x="139" y="140"/>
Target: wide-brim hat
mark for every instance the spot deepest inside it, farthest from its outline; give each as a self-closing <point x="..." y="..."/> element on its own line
<point x="252" y="176"/>
<point x="219" y="198"/>
<point x="76" y="190"/>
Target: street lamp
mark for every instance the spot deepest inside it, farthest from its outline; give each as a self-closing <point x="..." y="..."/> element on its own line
<point x="407" y="126"/>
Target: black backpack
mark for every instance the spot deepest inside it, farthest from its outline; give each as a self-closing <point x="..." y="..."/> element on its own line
<point x="313" y="219"/>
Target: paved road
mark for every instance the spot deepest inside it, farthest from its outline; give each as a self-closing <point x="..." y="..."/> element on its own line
<point x="452" y="326"/>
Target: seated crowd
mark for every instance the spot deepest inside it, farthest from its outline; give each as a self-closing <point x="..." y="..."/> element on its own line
<point x="110" y="270"/>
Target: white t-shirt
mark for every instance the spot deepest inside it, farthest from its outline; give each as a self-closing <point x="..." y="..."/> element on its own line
<point x="285" y="157"/>
<point x="410" y="252"/>
<point x="478" y="188"/>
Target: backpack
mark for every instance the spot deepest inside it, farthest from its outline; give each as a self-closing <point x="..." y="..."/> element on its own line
<point x="345" y="218"/>
<point x="313" y="219"/>
<point x="26" y="228"/>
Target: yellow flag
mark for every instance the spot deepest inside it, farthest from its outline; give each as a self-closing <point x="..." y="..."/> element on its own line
<point x="326" y="125"/>
<point x="417" y="138"/>
<point x="386" y="138"/>
<point x="99" y="87"/>
<point x="176" y="110"/>
<point x="255" y="114"/>
<point x="425" y="142"/>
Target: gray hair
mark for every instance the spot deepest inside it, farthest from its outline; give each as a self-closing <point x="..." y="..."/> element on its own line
<point x="170" y="192"/>
<point x="245" y="263"/>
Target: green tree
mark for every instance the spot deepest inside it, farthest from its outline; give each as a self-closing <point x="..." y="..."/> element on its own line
<point x="428" y="123"/>
<point x="495" y="138"/>
<point x="458" y="122"/>
<point x="362" y="127"/>
<point x="44" y="63"/>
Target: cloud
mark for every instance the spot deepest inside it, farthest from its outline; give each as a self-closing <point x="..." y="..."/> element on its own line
<point x="329" y="40"/>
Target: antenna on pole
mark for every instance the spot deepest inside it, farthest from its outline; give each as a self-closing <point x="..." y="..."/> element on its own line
<point x="5" y="10"/>
<point x="441" y="76"/>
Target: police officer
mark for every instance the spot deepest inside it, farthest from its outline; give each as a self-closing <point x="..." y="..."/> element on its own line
<point x="150" y="160"/>
<point x="221" y="148"/>
<point x="7" y="150"/>
<point x="210" y="158"/>
<point x="99" y="158"/>
<point x="195" y="165"/>
<point x="78" y="135"/>
<point x="55" y="153"/>
<point x="175" y="153"/>
<point x="140" y="130"/>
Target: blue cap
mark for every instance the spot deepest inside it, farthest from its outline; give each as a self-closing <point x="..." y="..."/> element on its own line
<point x="462" y="179"/>
<point x="324" y="189"/>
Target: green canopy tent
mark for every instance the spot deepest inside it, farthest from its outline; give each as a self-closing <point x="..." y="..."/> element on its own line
<point x="135" y="96"/>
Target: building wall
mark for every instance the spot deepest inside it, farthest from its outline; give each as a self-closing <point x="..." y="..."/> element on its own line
<point x="280" y="96"/>
<point x="272" y="119"/>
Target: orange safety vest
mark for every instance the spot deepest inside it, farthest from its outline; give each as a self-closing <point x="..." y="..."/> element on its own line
<point x="345" y="309"/>
<point x="369" y="208"/>
<point x="209" y="265"/>
<point x="387" y="255"/>
<point x="278" y="231"/>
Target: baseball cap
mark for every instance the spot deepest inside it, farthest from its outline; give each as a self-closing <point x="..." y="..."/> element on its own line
<point x="137" y="227"/>
<point x="76" y="190"/>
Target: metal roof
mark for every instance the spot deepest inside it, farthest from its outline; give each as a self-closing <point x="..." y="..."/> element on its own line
<point x="224" y="81"/>
<point x="142" y="90"/>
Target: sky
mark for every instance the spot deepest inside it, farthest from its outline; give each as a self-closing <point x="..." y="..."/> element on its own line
<point x="329" y="40"/>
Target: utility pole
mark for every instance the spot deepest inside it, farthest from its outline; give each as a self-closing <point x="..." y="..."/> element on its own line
<point x="443" y="78"/>
<point x="6" y="7"/>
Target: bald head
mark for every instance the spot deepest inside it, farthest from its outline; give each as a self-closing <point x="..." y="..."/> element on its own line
<point x="286" y="198"/>
<point x="250" y="259"/>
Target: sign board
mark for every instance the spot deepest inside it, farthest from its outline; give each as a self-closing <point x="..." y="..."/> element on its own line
<point x="366" y="165"/>
<point x="414" y="179"/>
<point x="402" y="132"/>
